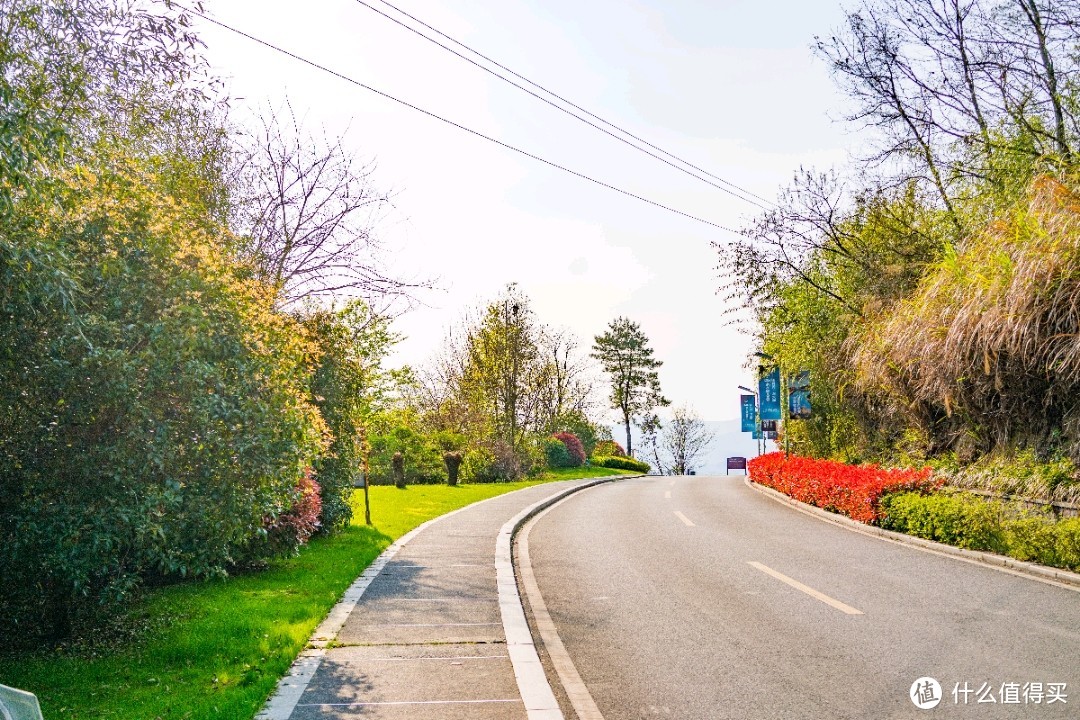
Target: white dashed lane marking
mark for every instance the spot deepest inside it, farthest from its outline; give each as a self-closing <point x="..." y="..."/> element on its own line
<point x="686" y="520"/>
<point x="832" y="602"/>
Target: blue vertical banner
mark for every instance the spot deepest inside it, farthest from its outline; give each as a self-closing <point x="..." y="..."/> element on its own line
<point x="749" y="413"/>
<point x="769" y="392"/>
<point x="799" y="396"/>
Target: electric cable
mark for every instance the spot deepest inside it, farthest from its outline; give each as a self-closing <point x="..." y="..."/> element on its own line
<point x="562" y="109"/>
<point x="452" y="123"/>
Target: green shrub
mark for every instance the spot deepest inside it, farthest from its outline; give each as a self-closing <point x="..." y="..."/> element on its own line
<point x="1067" y="543"/>
<point x="954" y="519"/>
<point x="976" y="523"/>
<point x="608" y="448"/>
<point x="622" y="463"/>
<point x="479" y="466"/>
<point x="153" y="427"/>
<point x="348" y="380"/>
<point x="556" y="453"/>
<point x="423" y="458"/>
<point x="496" y="461"/>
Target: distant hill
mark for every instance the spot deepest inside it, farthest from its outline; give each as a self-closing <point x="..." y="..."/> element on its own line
<point x="729" y="442"/>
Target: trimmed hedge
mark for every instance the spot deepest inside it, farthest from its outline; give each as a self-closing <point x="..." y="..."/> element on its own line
<point x="622" y="463"/>
<point x="852" y="490"/>
<point x="976" y="523"/>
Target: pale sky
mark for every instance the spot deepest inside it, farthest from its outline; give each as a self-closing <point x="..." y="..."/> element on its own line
<point x="730" y="85"/>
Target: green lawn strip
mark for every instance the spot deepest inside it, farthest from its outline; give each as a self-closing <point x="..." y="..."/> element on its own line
<point x="216" y="649"/>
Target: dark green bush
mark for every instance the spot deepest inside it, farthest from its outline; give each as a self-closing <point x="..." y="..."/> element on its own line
<point x="153" y="427"/>
<point x="423" y="459"/>
<point x="351" y="344"/>
<point x="453" y="465"/>
<point x="557" y="454"/>
<point x="622" y="463"/>
<point x="976" y="523"/>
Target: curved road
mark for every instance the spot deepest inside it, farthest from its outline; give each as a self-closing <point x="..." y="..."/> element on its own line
<point x="699" y="597"/>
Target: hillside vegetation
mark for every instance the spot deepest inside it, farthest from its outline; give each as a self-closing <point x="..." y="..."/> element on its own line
<point x="932" y="288"/>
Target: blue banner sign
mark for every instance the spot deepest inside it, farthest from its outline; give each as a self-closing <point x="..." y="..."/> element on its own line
<point x="749" y="413"/>
<point x="799" y="396"/>
<point x="769" y="392"/>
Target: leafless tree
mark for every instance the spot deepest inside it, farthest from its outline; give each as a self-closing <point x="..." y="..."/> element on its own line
<point x="968" y="99"/>
<point x="952" y="84"/>
<point x="818" y="229"/>
<point x="684" y="440"/>
<point x="307" y="208"/>
<point x="567" y="385"/>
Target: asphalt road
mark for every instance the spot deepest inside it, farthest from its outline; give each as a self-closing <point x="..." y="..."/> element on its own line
<point x="651" y="588"/>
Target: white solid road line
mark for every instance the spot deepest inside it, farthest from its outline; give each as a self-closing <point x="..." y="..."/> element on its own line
<point x="686" y="520"/>
<point x="408" y="702"/>
<point x="576" y="691"/>
<point x="803" y="588"/>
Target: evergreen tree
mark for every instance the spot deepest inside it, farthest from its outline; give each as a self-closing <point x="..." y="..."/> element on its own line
<point x="624" y="353"/>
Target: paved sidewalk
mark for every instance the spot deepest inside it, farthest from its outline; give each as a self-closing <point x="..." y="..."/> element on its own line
<point x="426" y="638"/>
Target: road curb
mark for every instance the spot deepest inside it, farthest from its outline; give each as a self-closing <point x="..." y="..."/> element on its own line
<point x="532" y="681"/>
<point x="1055" y="576"/>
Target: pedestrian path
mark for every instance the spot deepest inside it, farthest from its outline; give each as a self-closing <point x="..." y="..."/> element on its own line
<point x="426" y="637"/>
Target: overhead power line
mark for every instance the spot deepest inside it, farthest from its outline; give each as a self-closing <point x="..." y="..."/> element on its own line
<point x="720" y="183"/>
<point x="452" y="123"/>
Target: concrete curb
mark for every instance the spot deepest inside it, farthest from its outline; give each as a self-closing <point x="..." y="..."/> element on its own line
<point x="536" y="692"/>
<point x="1060" y="578"/>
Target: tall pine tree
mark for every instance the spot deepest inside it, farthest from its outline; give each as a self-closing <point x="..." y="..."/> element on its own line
<point x="624" y="353"/>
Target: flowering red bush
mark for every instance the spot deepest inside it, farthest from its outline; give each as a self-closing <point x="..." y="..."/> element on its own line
<point x="573" y="446"/>
<point x="292" y="528"/>
<point x="852" y="490"/>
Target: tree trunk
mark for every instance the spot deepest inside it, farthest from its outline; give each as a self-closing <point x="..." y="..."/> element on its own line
<point x="398" y="461"/>
<point x="453" y="463"/>
<point x="629" y="447"/>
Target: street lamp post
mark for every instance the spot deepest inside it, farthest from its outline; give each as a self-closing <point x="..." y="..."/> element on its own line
<point x="756" y="405"/>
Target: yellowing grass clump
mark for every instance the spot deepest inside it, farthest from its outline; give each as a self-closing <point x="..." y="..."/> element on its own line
<point x="987" y="350"/>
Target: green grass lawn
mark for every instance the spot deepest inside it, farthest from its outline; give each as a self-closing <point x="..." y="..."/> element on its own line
<point x="216" y="649"/>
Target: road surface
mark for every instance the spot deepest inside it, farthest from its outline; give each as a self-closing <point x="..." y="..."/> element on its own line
<point x="699" y="597"/>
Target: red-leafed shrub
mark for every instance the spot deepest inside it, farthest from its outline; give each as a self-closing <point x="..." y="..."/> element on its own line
<point x="852" y="490"/>
<point x="608" y="448"/>
<point x="573" y="446"/>
<point x="292" y="528"/>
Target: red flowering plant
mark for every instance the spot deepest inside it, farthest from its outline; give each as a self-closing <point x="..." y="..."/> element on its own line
<point x="573" y="446"/>
<point x="852" y="490"/>
<point x="292" y="528"/>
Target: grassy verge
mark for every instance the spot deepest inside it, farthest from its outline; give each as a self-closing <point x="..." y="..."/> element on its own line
<point x="216" y="649"/>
